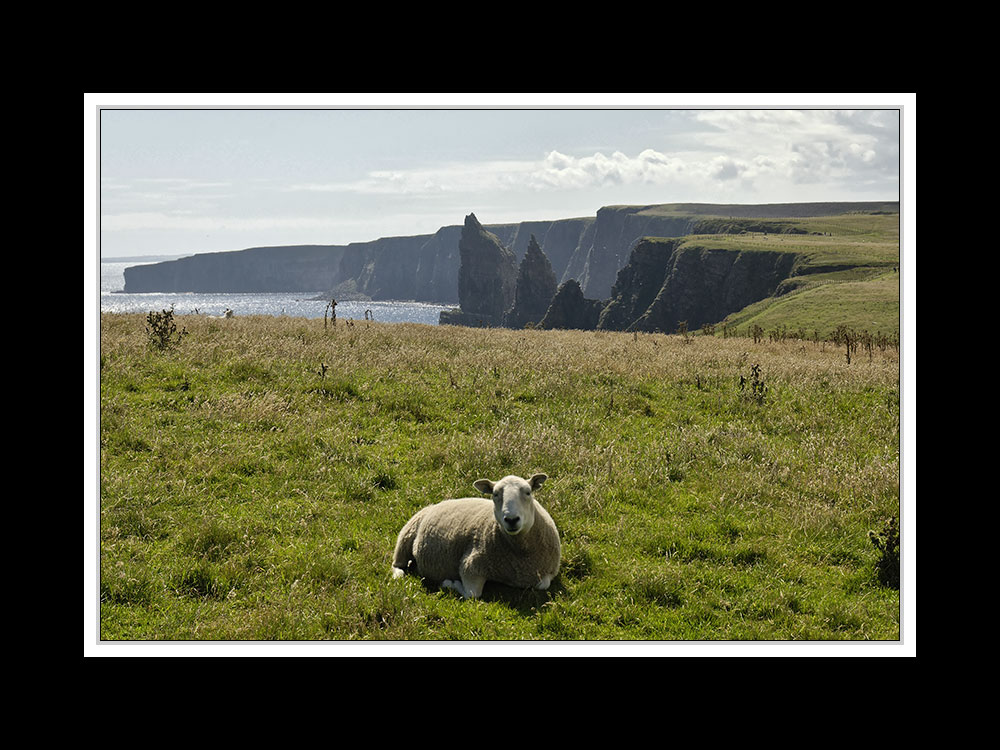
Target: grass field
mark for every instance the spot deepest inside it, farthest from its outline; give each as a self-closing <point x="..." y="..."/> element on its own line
<point x="253" y="478"/>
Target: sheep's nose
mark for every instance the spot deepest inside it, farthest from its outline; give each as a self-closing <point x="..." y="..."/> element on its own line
<point x="512" y="521"/>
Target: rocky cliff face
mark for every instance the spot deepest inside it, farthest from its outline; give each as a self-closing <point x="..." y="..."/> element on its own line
<point x="535" y="287"/>
<point x="638" y="284"/>
<point x="487" y="277"/>
<point x="423" y="267"/>
<point x="616" y="231"/>
<point x="294" y="268"/>
<point x="561" y="239"/>
<point x="426" y="267"/>
<point x="569" y="309"/>
<point x="666" y="282"/>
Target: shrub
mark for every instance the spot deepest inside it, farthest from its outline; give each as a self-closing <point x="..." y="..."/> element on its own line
<point x="887" y="544"/>
<point x="162" y="330"/>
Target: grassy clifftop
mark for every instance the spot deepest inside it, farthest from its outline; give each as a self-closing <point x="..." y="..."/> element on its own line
<point x="254" y="477"/>
<point x="809" y="275"/>
<point x="848" y="239"/>
<point x="847" y="273"/>
<point x="772" y="210"/>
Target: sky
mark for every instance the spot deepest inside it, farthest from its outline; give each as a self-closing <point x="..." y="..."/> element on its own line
<point x="203" y="173"/>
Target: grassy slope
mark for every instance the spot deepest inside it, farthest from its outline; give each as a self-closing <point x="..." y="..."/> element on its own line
<point x="870" y="304"/>
<point x="861" y="290"/>
<point x="245" y="496"/>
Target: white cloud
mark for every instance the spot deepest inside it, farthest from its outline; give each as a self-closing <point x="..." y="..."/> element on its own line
<point x="801" y="146"/>
<point x="555" y="171"/>
<point x="560" y="171"/>
<point x="724" y="168"/>
<point x="859" y="151"/>
<point x="755" y="151"/>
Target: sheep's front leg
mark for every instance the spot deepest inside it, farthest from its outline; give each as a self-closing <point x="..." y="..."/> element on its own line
<point x="470" y="587"/>
<point x="456" y="585"/>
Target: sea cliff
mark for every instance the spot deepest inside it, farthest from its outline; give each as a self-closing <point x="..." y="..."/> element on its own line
<point x="669" y="282"/>
<point x="423" y="268"/>
<point x="631" y="267"/>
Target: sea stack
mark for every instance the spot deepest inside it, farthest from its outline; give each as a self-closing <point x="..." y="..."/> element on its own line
<point x="570" y="309"/>
<point x="535" y="288"/>
<point x="487" y="278"/>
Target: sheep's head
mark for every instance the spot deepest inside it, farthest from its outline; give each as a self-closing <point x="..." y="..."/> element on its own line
<point x="513" y="501"/>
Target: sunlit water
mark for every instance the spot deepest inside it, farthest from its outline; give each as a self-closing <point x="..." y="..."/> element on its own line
<point x="294" y="304"/>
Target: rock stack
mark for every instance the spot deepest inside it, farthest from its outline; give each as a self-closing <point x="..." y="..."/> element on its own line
<point x="487" y="278"/>
<point x="535" y="288"/>
<point x="570" y="309"/>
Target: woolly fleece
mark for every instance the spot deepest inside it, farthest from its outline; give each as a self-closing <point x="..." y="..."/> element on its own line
<point x="461" y="539"/>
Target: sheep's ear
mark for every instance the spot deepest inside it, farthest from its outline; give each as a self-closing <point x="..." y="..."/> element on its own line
<point x="483" y="485"/>
<point x="536" y="481"/>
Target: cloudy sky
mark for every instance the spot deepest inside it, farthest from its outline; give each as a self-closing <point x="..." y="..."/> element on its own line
<point x="207" y="177"/>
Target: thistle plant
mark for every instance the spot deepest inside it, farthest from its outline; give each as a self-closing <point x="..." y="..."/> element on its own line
<point x="887" y="544"/>
<point x="161" y="330"/>
<point x="754" y="387"/>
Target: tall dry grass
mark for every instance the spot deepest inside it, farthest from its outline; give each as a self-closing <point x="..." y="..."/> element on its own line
<point x="254" y="477"/>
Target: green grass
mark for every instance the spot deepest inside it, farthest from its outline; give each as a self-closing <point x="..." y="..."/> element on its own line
<point x="822" y="303"/>
<point x="847" y="273"/>
<point x="849" y="240"/>
<point x="245" y="496"/>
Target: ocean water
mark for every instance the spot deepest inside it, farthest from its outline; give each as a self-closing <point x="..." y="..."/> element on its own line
<point x="293" y="304"/>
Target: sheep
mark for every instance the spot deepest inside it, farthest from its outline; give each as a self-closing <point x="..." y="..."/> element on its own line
<point x="464" y="542"/>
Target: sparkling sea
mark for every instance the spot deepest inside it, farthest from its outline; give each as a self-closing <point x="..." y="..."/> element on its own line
<point x="294" y="304"/>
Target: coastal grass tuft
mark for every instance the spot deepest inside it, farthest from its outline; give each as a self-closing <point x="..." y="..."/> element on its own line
<point x="254" y="475"/>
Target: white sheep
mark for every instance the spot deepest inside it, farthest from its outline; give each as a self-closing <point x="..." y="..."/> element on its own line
<point x="463" y="543"/>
